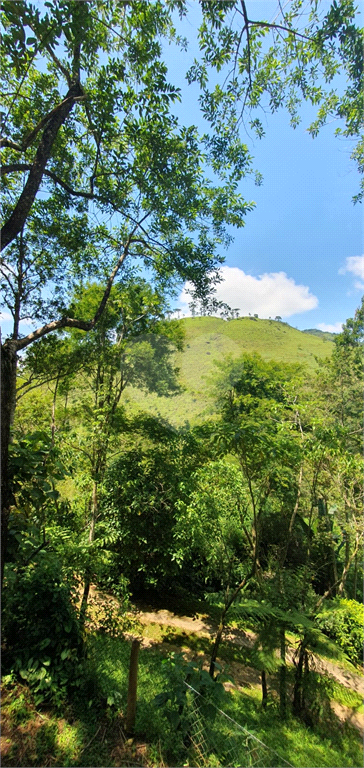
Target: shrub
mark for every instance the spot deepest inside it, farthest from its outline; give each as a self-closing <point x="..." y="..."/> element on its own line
<point x="342" y="620"/>
<point x="42" y="643"/>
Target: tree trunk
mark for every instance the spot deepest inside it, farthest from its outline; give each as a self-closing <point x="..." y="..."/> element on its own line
<point x="8" y="394"/>
<point x="264" y="689"/>
<point x="17" y="219"/>
<point x="283" y="675"/>
<point x="91" y="537"/>
<point x="132" y="688"/>
<point x="298" y="684"/>
<point x="216" y="646"/>
<point x="220" y="630"/>
<point x="53" y="418"/>
<point x="355" y="576"/>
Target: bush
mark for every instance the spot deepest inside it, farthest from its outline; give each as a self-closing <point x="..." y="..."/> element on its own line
<point x="42" y="643"/>
<point x="342" y="620"/>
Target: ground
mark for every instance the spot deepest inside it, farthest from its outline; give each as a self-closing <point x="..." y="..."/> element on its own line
<point x="71" y="738"/>
<point x="245" y="676"/>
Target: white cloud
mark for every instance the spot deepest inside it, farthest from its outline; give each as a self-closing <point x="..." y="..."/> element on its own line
<point x="355" y="265"/>
<point x="267" y="295"/>
<point x="336" y="328"/>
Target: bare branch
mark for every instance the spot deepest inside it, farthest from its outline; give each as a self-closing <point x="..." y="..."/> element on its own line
<point x="279" y="26"/>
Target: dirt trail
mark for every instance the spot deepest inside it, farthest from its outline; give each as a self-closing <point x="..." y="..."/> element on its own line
<point x="247" y="676"/>
<point x="205" y="628"/>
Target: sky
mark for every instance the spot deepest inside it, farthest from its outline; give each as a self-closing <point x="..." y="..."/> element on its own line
<point x="300" y="254"/>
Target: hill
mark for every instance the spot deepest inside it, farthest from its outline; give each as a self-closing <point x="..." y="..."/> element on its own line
<point x="208" y="339"/>
<point x="322" y="334"/>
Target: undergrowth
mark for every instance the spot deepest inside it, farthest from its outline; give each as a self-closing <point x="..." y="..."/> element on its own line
<point x="93" y="734"/>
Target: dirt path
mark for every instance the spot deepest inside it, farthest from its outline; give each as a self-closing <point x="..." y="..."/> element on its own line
<point x="205" y="628"/>
<point x="245" y="676"/>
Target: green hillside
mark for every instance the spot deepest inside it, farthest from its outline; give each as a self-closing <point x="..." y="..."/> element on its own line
<point x="322" y="334"/>
<point x="208" y="339"/>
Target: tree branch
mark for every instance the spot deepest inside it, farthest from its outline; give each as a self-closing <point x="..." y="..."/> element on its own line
<point x="11" y="144"/>
<point x="70" y="322"/>
<point x="246" y="28"/>
<point x="59" y="64"/>
<point x="22" y="208"/>
<point x="14" y="167"/>
<point x="31" y="136"/>
<point x="279" y="26"/>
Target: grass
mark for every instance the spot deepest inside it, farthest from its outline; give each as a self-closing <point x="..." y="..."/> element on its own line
<point x="90" y="733"/>
<point x="209" y="339"/>
<point x="331" y="744"/>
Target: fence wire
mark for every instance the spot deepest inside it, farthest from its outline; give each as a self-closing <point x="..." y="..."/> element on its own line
<point x="221" y="741"/>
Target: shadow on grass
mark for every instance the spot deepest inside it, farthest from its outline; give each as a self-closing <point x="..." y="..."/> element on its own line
<point x="90" y="732"/>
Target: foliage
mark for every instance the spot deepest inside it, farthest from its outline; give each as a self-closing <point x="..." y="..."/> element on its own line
<point x="35" y="466"/>
<point x="298" y="56"/>
<point x="210" y="524"/>
<point x="343" y="620"/>
<point x="143" y="488"/>
<point x="42" y="641"/>
<point x="177" y="673"/>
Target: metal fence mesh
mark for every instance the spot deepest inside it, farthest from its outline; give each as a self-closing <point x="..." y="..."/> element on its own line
<point x="218" y="740"/>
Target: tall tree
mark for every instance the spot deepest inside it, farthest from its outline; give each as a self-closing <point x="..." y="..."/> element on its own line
<point x="131" y="344"/>
<point x="96" y="170"/>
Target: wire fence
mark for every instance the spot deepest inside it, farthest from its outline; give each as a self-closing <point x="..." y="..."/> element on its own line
<point x="211" y="738"/>
<point x="218" y="740"/>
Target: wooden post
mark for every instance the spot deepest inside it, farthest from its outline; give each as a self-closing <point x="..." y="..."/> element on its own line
<point x="132" y="687"/>
<point x="282" y="675"/>
<point x="264" y="689"/>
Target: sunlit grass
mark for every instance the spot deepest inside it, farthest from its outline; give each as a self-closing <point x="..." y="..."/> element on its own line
<point x="90" y="733"/>
<point x="210" y="339"/>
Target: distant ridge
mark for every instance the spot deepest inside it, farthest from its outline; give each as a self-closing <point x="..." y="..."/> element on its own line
<point x="209" y="339"/>
<point x="323" y="334"/>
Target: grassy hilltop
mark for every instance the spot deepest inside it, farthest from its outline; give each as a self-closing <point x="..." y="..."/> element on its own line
<point x="208" y="339"/>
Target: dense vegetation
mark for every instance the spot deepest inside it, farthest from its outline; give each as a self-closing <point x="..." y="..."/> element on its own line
<point x="256" y="510"/>
<point x="238" y="494"/>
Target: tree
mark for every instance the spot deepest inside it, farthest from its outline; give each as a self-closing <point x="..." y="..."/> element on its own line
<point x="145" y="489"/>
<point x="131" y="344"/>
<point x="215" y="526"/>
<point x="258" y="428"/>
<point x="110" y="176"/>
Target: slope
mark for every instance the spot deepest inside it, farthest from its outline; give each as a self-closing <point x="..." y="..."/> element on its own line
<point x="209" y="339"/>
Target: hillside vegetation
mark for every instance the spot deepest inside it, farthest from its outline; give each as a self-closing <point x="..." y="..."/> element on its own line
<point x="210" y="339"/>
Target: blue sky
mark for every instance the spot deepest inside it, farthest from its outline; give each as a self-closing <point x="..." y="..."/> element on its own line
<point x="300" y="252"/>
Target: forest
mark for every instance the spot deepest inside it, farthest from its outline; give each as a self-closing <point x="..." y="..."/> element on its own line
<point x="182" y="542"/>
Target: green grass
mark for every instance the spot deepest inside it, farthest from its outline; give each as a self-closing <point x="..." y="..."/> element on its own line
<point x="209" y="339"/>
<point x="91" y="734"/>
<point x="330" y="744"/>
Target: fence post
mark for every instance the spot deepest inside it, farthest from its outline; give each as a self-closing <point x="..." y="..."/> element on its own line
<point x="132" y="687"/>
